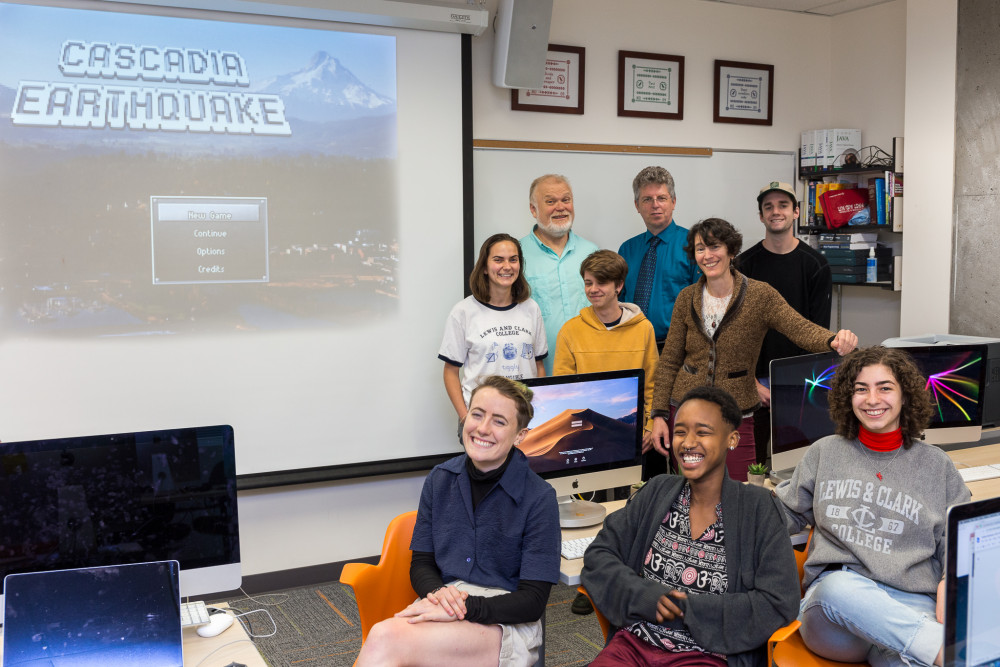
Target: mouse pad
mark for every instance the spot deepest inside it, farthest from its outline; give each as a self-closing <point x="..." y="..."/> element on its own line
<point x="120" y="615"/>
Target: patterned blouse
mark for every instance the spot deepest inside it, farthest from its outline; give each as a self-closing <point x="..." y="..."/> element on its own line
<point x="677" y="560"/>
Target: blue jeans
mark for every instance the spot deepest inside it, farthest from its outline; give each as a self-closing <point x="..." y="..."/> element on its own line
<point x="851" y="618"/>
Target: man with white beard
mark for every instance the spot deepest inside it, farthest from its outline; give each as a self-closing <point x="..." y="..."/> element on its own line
<point x="552" y="256"/>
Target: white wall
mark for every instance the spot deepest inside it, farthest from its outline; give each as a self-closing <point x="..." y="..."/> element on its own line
<point x="300" y="526"/>
<point x="797" y="46"/>
<point x="931" y="56"/>
<point x="866" y="46"/>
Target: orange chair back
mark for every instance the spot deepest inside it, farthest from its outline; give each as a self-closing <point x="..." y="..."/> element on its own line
<point x="785" y="648"/>
<point x="601" y="618"/>
<point x="382" y="590"/>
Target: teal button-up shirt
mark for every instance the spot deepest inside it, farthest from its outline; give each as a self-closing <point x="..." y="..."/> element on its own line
<point x="556" y="284"/>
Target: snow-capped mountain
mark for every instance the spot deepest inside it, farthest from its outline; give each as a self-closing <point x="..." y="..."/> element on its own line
<point x="325" y="90"/>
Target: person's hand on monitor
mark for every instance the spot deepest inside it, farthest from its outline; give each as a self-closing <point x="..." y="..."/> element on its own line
<point x="844" y="342"/>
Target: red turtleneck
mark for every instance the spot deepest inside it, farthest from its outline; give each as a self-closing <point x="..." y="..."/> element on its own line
<point x="880" y="442"/>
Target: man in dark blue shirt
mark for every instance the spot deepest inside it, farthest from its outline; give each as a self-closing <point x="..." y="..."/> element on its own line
<point x="658" y="267"/>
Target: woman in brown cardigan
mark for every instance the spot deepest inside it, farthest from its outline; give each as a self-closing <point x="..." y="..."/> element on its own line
<point x="715" y="334"/>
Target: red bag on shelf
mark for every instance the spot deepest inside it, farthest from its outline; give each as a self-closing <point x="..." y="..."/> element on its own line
<point x="841" y="206"/>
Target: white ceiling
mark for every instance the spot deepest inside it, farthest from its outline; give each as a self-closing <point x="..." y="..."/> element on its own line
<point x="822" y="7"/>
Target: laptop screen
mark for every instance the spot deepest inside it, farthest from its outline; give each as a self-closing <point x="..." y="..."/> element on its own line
<point x="972" y="598"/>
<point x="94" y="617"/>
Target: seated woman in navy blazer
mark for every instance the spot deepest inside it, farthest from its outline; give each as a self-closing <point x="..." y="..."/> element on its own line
<point x="485" y="548"/>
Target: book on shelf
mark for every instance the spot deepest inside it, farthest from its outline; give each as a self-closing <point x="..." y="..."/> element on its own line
<point x="847" y="236"/>
<point x="811" y="204"/>
<point x="852" y="260"/>
<point x="879" y="218"/>
<point x="842" y="144"/>
<point x="860" y="278"/>
<point x="846" y="245"/>
<point x="857" y="254"/>
<point x="883" y="265"/>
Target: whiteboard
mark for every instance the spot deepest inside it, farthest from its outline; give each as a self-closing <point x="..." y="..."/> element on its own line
<point x="724" y="185"/>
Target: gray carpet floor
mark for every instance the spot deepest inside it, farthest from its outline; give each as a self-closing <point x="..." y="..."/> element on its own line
<point x="317" y="626"/>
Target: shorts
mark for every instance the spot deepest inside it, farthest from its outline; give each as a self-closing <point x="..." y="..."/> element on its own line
<point x="521" y="643"/>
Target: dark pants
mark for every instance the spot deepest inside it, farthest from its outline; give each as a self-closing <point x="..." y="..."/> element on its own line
<point x="762" y="434"/>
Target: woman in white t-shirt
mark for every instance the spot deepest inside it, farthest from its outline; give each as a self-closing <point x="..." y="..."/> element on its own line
<point x="496" y="331"/>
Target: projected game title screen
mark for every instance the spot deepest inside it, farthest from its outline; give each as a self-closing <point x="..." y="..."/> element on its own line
<point x="167" y="175"/>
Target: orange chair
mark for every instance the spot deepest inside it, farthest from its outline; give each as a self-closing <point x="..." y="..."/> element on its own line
<point x="382" y="590"/>
<point x="601" y="619"/>
<point x="785" y="648"/>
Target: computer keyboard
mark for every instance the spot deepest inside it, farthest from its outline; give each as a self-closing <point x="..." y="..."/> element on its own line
<point x="573" y="549"/>
<point x="194" y="613"/>
<point x="978" y="473"/>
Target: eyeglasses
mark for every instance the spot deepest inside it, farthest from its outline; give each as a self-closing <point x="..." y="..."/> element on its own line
<point x="662" y="200"/>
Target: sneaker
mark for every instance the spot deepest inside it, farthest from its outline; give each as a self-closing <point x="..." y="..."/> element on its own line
<point x="581" y="605"/>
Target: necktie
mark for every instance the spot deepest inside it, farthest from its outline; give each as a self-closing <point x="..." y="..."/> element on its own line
<point x="644" y="283"/>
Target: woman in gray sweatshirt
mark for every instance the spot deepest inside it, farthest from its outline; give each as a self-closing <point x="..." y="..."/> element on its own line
<point x="878" y="499"/>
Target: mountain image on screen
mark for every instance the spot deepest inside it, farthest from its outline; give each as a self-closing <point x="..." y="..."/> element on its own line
<point x="326" y="90"/>
<point x="579" y="437"/>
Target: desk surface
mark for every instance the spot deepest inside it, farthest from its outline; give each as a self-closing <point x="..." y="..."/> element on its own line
<point x="569" y="570"/>
<point x="233" y="645"/>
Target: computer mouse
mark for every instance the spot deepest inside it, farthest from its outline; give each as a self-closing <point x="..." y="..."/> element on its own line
<point x="215" y="626"/>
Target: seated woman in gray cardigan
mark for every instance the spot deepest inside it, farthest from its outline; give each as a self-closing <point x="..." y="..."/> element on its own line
<point x="696" y="570"/>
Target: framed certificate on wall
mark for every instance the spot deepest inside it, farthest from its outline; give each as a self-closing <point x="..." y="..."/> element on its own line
<point x="744" y="93"/>
<point x="562" y="88"/>
<point x="650" y="85"/>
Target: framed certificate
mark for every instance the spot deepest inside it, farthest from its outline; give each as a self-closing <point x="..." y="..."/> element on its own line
<point x="650" y="85"/>
<point x="744" y="93"/>
<point x="562" y="88"/>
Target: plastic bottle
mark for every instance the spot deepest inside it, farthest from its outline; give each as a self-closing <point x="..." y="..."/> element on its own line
<point x="871" y="268"/>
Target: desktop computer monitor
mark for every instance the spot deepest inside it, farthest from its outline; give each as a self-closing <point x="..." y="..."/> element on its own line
<point x="586" y="436"/>
<point x="955" y="377"/>
<point x="123" y="498"/>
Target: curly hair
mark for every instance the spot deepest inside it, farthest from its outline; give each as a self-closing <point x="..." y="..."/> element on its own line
<point x="717" y="230"/>
<point x="479" y="284"/>
<point x="915" y="411"/>
<point x="516" y="391"/>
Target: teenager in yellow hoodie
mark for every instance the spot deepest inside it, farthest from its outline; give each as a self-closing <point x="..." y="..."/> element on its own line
<point x="608" y="335"/>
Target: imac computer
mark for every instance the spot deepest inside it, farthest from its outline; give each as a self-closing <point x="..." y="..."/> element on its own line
<point x="123" y="498"/>
<point x="586" y="436"/>
<point x="956" y="377"/>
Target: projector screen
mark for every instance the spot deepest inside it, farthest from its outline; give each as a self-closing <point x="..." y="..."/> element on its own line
<point x="228" y="219"/>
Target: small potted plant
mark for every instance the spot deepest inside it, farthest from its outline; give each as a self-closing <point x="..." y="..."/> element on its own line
<point x="756" y="473"/>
